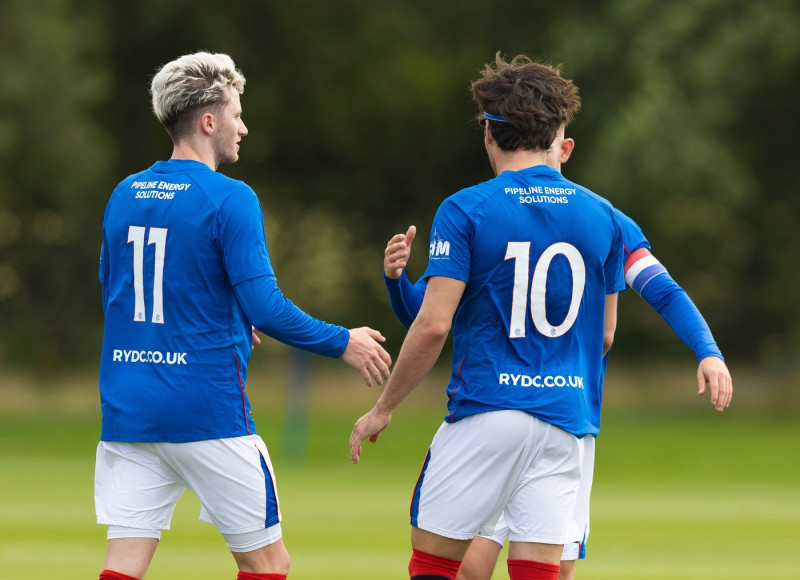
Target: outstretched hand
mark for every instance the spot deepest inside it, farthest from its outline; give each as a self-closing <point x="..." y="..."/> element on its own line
<point x="397" y="252"/>
<point x="364" y="354"/>
<point x="367" y="427"/>
<point x="713" y="372"/>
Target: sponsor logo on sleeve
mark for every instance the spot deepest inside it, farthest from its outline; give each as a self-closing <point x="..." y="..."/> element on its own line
<point x="439" y="248"/>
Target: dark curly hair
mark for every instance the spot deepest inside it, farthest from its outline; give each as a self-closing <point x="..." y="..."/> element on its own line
<point x="532" y="97"/>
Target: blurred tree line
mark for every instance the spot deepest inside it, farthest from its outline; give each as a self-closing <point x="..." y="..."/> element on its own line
<point x="361" y="122"/>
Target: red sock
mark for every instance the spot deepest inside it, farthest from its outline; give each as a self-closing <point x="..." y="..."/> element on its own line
<point x="424" y="564"/>
<point x="254" y="576"/>
<point x="532" y="570"/>
<point x="111" y="575"/>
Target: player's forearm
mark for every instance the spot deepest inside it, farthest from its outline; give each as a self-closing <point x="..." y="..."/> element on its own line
<point x="674" y="305"/>
<point x="404" y="298"/>
<point x="419" y="353"/>
<point x="610" y="322"/>
<point x="275" y="315"/>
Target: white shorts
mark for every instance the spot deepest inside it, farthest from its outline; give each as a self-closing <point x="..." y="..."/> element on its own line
<point x="574" y="550"/>
<point x="501" y="460"/>
<point x="137" y="486"/>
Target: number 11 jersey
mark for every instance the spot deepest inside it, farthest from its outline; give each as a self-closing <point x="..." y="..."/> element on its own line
<point x="176" y="239"/>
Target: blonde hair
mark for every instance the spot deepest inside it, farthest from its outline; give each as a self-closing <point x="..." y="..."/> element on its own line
<point x="187" y="84"/>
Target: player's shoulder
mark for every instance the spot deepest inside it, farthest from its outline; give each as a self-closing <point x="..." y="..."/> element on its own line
<point x="470" y="198"/>
<point x="593" y="198"/>
<point x="472" y="195"/>
<point x="132" y="178"/>
<point x="633" y="237"/>
<point x="127" y="184"/>
<point x="216" y="187"/>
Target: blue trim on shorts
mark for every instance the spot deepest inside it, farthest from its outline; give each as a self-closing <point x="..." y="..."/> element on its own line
<point x="273" y="516"/>
<point x="415" y="498"/>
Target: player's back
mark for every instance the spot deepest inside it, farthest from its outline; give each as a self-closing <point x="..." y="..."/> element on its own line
<point x="539" y="254"/>
<point x="176" y="342"/>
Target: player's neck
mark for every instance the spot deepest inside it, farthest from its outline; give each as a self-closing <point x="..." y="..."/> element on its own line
<point x="516" y="160"/>
<point x="188" y="150"/>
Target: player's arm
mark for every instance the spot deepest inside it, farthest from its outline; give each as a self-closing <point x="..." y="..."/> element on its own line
<point x="610" y="322"/>
<point x="650" y="279"/>
<point x="242" y="241"/>
<point x="405" y="298"/>
<point x="269" y="311"/>
<point x="419" y="353"/>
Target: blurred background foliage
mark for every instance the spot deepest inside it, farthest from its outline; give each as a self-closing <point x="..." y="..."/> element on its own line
<point x="360" y="123"/>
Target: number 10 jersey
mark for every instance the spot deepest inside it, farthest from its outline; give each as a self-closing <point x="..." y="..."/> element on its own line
<point x="539" y="254"/>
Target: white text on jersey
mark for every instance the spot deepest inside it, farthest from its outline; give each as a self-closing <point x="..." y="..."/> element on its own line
<point x="149" y="356"/>
<point x="548" y="381"/>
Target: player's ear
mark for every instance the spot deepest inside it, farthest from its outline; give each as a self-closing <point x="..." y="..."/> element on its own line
<point x="206" y="123"/>
<point x="487" y="133"/>
<point x="566" y="149"/>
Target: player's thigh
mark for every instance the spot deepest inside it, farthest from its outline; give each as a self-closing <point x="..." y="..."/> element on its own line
<point x="543" y="503"/>
<point x="234" y="480"/>
<point x="133" y="487"/>
<point x="470" y="473"/>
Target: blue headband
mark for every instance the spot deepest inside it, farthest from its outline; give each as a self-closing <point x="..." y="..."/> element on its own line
<point x="494" y="117"/>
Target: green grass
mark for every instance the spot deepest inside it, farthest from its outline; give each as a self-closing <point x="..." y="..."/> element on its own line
<point x="679" y="493"/>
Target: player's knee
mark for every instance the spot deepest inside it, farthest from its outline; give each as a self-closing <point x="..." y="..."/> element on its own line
<point x="259" y="550"/>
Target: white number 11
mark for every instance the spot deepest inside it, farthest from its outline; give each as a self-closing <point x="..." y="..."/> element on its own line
<point x="158" y="236"/>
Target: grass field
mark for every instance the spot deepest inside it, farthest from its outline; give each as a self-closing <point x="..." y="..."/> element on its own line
<point x="680" y="492"/>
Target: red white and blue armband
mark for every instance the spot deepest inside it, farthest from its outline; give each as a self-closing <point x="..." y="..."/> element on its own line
<point x="641" y="267"/>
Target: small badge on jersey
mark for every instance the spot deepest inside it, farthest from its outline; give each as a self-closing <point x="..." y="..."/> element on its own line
<point x="439" y="248"/>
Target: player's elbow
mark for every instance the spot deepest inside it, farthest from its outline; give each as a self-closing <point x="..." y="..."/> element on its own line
<point x="432" y="329"/>
<point x="608" y="340"/>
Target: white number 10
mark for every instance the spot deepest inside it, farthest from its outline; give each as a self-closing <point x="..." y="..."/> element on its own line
<point x="520" y="252"/>
<point x="158" y="236"/>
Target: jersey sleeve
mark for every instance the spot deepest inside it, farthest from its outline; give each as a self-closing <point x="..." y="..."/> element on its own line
<point x="615" y="279"/>
<point x="650" y="279"/>
<point x="244" y="251"/>
<point x="450" y="243"/>
<point x="405" y="298"/>
<point x="275" y="315"/>
<point x="632" y="236"/>
<point x="241" y="236"/>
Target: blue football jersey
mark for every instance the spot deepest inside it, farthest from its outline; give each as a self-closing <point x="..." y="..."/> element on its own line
<point x="177" y="238"/>
<point x="538" y="254"/>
